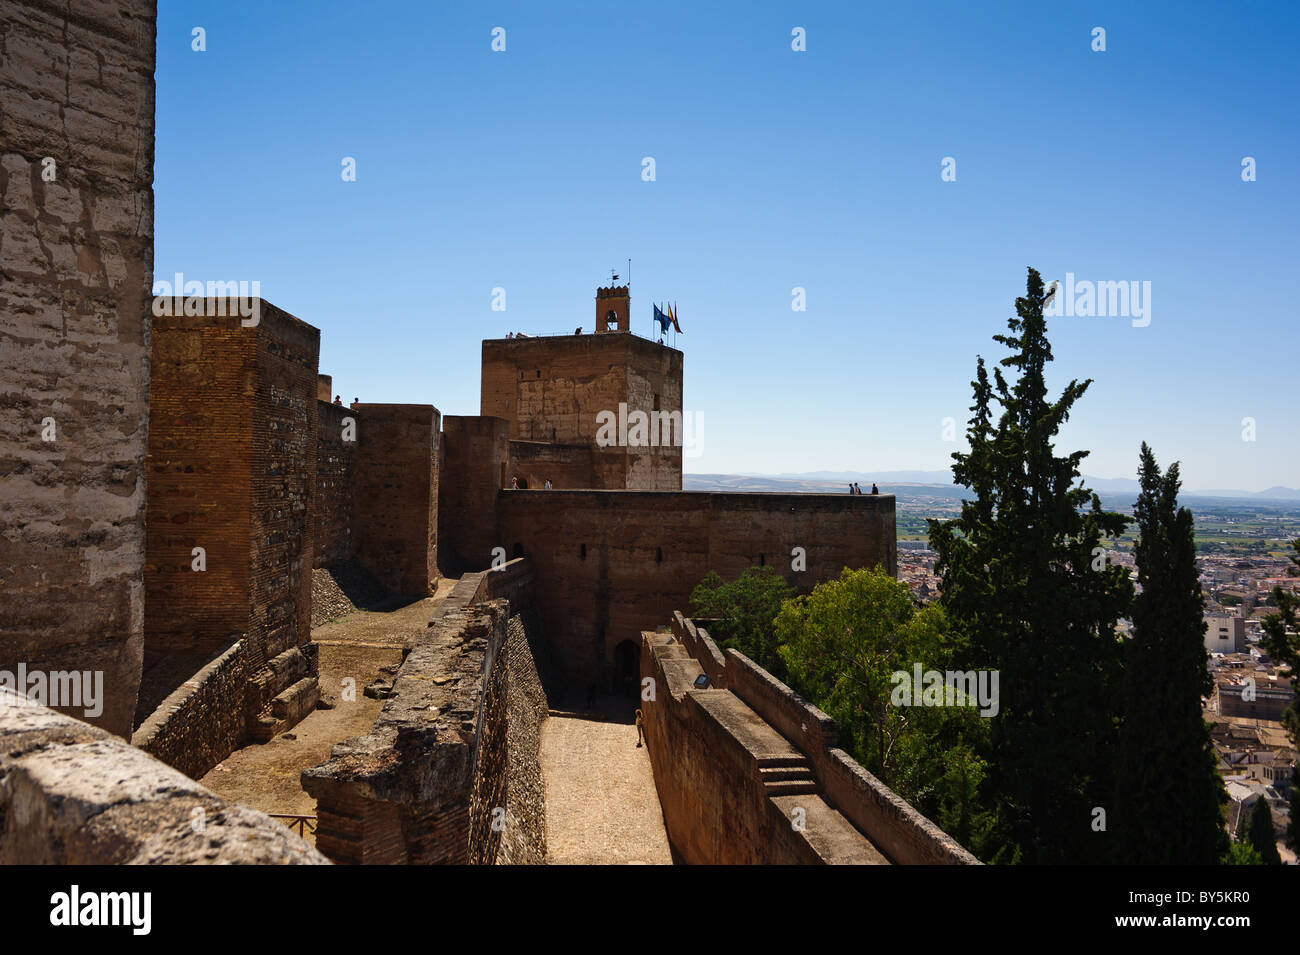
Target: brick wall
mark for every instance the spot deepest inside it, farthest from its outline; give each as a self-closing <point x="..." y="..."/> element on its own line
<point x="202" y="721"/>
<point x="232" y="460"/>
<point x="333" y="540"/>
<point x="614" y="563"/>
<point x="200" y="484"/>
<point x="283" y="482"/>
<point x="77" y="87"/>
<point x="474" y="468"/>
<point x="396" y="495"/>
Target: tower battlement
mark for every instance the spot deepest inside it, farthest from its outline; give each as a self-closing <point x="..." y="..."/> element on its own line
<point x="613" y="309"/>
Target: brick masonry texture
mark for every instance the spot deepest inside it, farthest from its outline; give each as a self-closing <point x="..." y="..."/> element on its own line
<point x="473" y="470"/>
<point x="71" y="794"/>
<point x="619" y="562"/>
<point x="76" y="262"/>
<point x="396" y="495"/>
<point x="202" y="721"/>
<point x="333" y="540"/>
<point x="232" y="465"/>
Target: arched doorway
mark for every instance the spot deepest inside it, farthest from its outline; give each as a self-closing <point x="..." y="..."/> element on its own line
<point x="627" y="668"/>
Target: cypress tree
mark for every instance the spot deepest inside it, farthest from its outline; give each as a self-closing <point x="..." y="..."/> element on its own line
<point x="1169" y="792"/>
<point x="1030" y="592"/>
<point x="1261" y="836"/>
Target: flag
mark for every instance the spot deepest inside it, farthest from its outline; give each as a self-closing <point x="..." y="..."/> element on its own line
<point x="662" y="319"/>
<point x="672" y="313"/>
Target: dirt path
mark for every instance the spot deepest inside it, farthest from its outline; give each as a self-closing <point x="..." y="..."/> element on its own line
<point x="266" y="776"/>
<point x="601" y="804"/>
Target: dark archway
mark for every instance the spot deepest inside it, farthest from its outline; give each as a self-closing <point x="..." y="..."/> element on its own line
<point x="627" y="668"/>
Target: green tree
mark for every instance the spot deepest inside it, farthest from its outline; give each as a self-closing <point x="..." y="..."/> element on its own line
<point x="1029" y="591"/>
<point x="1169" y="792"/>
<point x="744" y="610"/>
<point x="842" y="645"/>
<point x="1260" y="835"/>
<point x="1241" y="853"/>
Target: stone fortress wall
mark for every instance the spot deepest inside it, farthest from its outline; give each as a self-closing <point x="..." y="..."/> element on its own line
<point x="620" y="562"/>
<point x="76" y="230"/>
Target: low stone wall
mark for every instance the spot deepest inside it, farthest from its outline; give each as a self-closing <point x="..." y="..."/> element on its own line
<point x="508" y="803"/>
<point x="733" y="791"/>
<point x="449" y="772"/>
<point x="72" y="794"/>
<point x="202" y="721"/>
<point x="842" y="786"/>
<point x="902" y="833"/>
<point x="228" y="702"/>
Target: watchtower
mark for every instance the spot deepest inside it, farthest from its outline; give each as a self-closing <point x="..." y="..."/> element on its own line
<point x="613" y="309"/>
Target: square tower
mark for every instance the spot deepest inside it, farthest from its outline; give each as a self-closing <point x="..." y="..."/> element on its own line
<point x="556" y="392"/>
<point x="613" y="309"/>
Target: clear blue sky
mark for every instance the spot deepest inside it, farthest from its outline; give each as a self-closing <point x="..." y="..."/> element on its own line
<point x="775" y="169"/>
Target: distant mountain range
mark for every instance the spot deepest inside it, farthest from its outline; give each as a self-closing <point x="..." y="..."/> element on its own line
<point x="818" y="481"/>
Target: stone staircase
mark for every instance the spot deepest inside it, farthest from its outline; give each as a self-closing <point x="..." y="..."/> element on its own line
<point x="786" y="775"/>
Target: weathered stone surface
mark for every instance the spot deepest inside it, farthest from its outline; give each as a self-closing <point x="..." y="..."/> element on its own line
<point x="460" y="726"/>
<point x="72" y="794"/>
<point x="76" y="257"/>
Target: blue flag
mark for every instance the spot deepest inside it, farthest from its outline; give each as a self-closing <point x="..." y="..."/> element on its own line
<point x="662" y="319"/>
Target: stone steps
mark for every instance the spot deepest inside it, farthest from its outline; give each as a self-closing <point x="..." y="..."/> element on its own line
<point x="287" y="709"/>
<point x="786" y="775"/>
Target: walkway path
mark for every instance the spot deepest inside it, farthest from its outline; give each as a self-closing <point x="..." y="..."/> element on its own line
<point x="266" y="776"/>
<point x="601" y="804"/>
